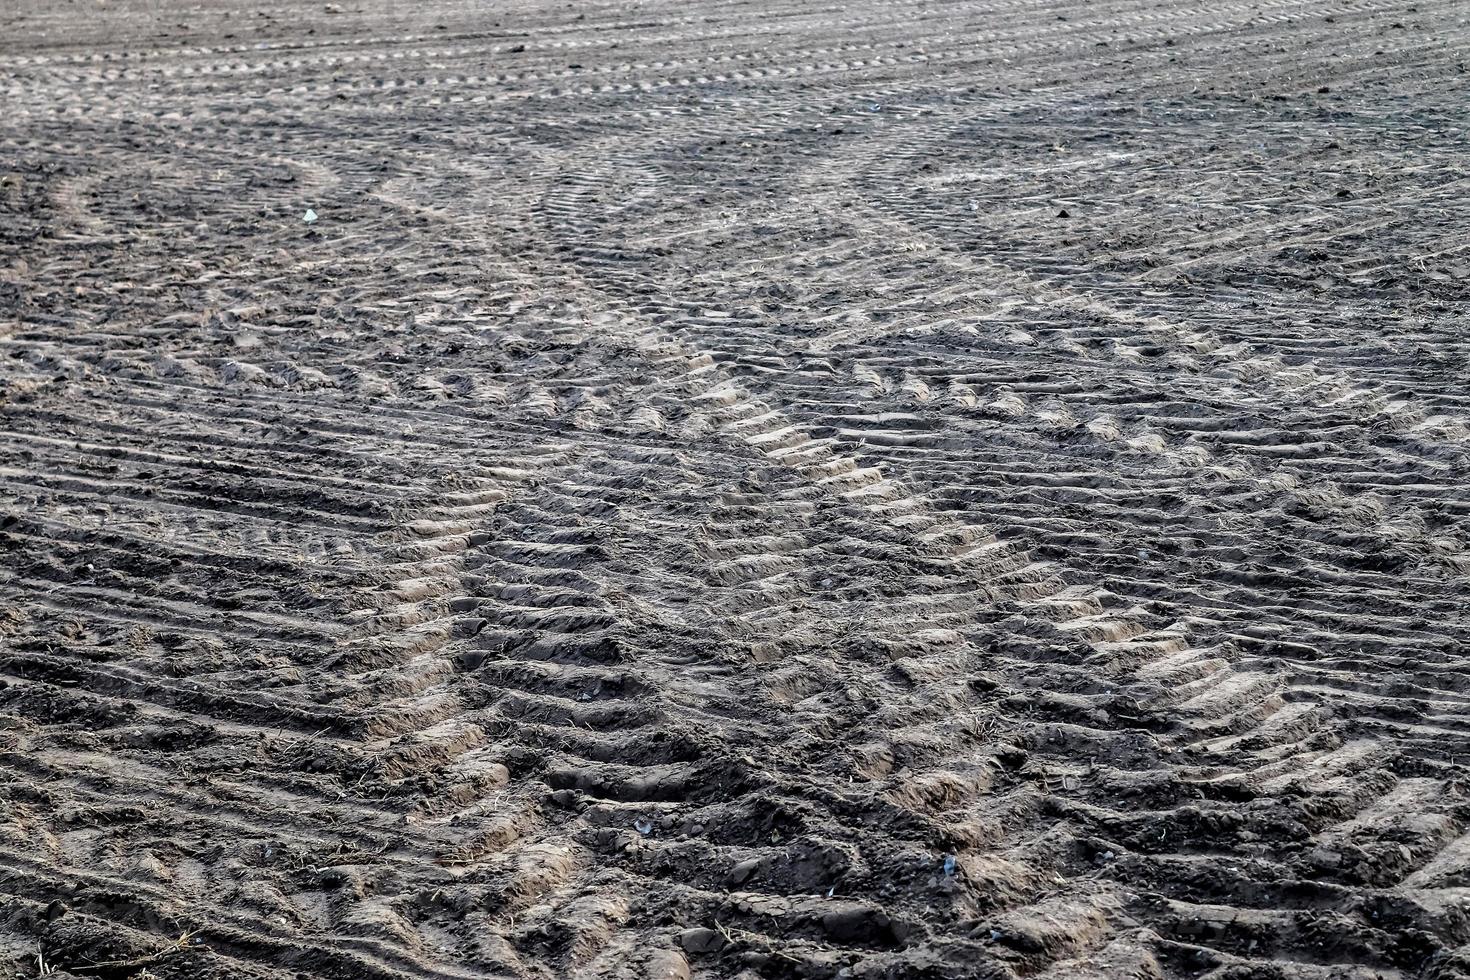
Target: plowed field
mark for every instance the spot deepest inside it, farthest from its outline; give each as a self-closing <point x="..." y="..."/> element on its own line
<point x="949" y="489"/>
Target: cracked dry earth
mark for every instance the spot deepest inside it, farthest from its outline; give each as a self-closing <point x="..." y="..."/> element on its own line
<point x="726" y="489"/>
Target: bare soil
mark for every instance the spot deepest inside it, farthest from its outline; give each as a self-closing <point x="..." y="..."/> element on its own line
<point x="969" y="489"/>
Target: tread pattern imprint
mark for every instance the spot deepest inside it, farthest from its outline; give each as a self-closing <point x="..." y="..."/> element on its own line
<point x="906" y="489"/>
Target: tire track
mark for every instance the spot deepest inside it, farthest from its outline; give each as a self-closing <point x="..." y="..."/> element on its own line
<point x="690" y="506"/>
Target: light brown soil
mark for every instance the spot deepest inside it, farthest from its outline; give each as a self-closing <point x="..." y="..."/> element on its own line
<point x="727" y="489"/>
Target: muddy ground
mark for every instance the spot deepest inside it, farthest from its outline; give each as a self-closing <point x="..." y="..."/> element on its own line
<point x="730" y="489"/>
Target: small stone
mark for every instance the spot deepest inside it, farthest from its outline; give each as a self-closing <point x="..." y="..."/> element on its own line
<point x="333" y="878"/>
<point x="1011" y="756"/>
<point x="856" y="923"/>
<point x="701" y="941"/>
<point x="744" y="870"/>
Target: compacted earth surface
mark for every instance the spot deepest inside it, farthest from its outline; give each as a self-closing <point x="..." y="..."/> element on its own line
<point x="711" y="488"/>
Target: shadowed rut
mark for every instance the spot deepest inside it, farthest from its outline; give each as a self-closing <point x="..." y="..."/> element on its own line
<point x="966" y="489"/>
